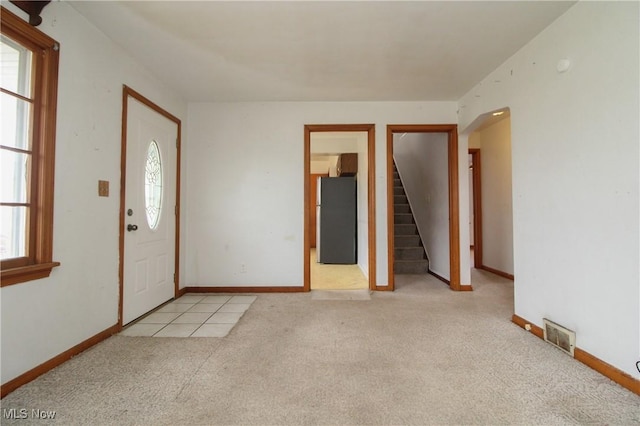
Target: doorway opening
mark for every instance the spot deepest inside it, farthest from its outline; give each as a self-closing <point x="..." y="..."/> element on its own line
<point x="491" y="194"/>
<point x="149" y="206"/>
<point x="475" y="203"/>
<point x="451" y="131"/>
<point x="316" y="136"/>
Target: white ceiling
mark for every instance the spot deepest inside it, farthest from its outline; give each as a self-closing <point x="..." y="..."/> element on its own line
<point x="321" y="50"/>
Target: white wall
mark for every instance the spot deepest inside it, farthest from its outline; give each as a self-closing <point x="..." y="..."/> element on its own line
<point x="474" y="140"/>
<point x="497" y="209"/>
<point x="334" y="142"/>
<point x="575" y="159"/>
<point x="325" y="166"/>
<point x="422" y="162"/>
<point x="245" y="175"/>
<point x="43" y="318"/>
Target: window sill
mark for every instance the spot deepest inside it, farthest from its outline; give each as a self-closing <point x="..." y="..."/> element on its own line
<point x="26" y="273"/>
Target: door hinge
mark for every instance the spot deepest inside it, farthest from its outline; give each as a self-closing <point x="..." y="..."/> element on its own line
<point x="174" y="278"/>
<point x="177" y="143"/>
<point x="175" y="210"/>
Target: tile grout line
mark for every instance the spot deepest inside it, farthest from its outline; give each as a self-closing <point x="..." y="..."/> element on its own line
<point x="230" y="300"/>
<point x="200" y="325"/>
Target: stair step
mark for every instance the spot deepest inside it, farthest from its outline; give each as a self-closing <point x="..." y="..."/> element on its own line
<point x="402" y="208"/>
<point x="409" y="253"/>
<point x="402" y="218"/>
<point x="400" y="199"/>
<point x="400" y="241"/>
<point x="411" y="266"/>
<point x="405" y="229"/>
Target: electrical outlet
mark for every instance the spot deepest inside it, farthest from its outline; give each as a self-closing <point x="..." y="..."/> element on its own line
<point x="103" y="188"/>
<point x="243" y="269"/>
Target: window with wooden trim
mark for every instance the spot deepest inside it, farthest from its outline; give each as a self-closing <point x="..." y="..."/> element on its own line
<point x="28" y="91"/>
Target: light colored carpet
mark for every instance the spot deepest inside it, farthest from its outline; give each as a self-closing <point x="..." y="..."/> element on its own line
<point x="420" y="355"/>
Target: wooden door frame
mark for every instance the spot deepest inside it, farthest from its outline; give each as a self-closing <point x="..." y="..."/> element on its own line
<point x="371" y="202"/>
<point x="477" y="206"/>
<point x="454" y="202"/>
<point x="127" y="93"/>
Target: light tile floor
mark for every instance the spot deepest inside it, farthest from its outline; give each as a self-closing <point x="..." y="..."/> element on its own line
<point x="335" y="277"/>
<point x="192" y="315"/>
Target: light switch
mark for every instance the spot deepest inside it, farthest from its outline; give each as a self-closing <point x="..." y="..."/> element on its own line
<point x="103" y="188"/>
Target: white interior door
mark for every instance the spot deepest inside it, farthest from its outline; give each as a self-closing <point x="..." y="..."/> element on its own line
<point x="150" y="199"/>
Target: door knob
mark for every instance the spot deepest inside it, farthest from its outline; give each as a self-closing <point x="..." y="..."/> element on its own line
<point x="132" y="227"/>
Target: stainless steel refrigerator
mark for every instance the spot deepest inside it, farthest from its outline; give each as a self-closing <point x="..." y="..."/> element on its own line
<point x="336" y="210"/>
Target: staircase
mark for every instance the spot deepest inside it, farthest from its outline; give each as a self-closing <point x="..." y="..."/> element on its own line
<point x="409" y="253"/>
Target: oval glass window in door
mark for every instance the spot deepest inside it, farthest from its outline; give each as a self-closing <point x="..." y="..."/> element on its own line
<point x="153" y="185"/>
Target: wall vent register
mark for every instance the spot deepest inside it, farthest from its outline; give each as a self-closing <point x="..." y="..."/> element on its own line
<point x="558" y="336"/>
